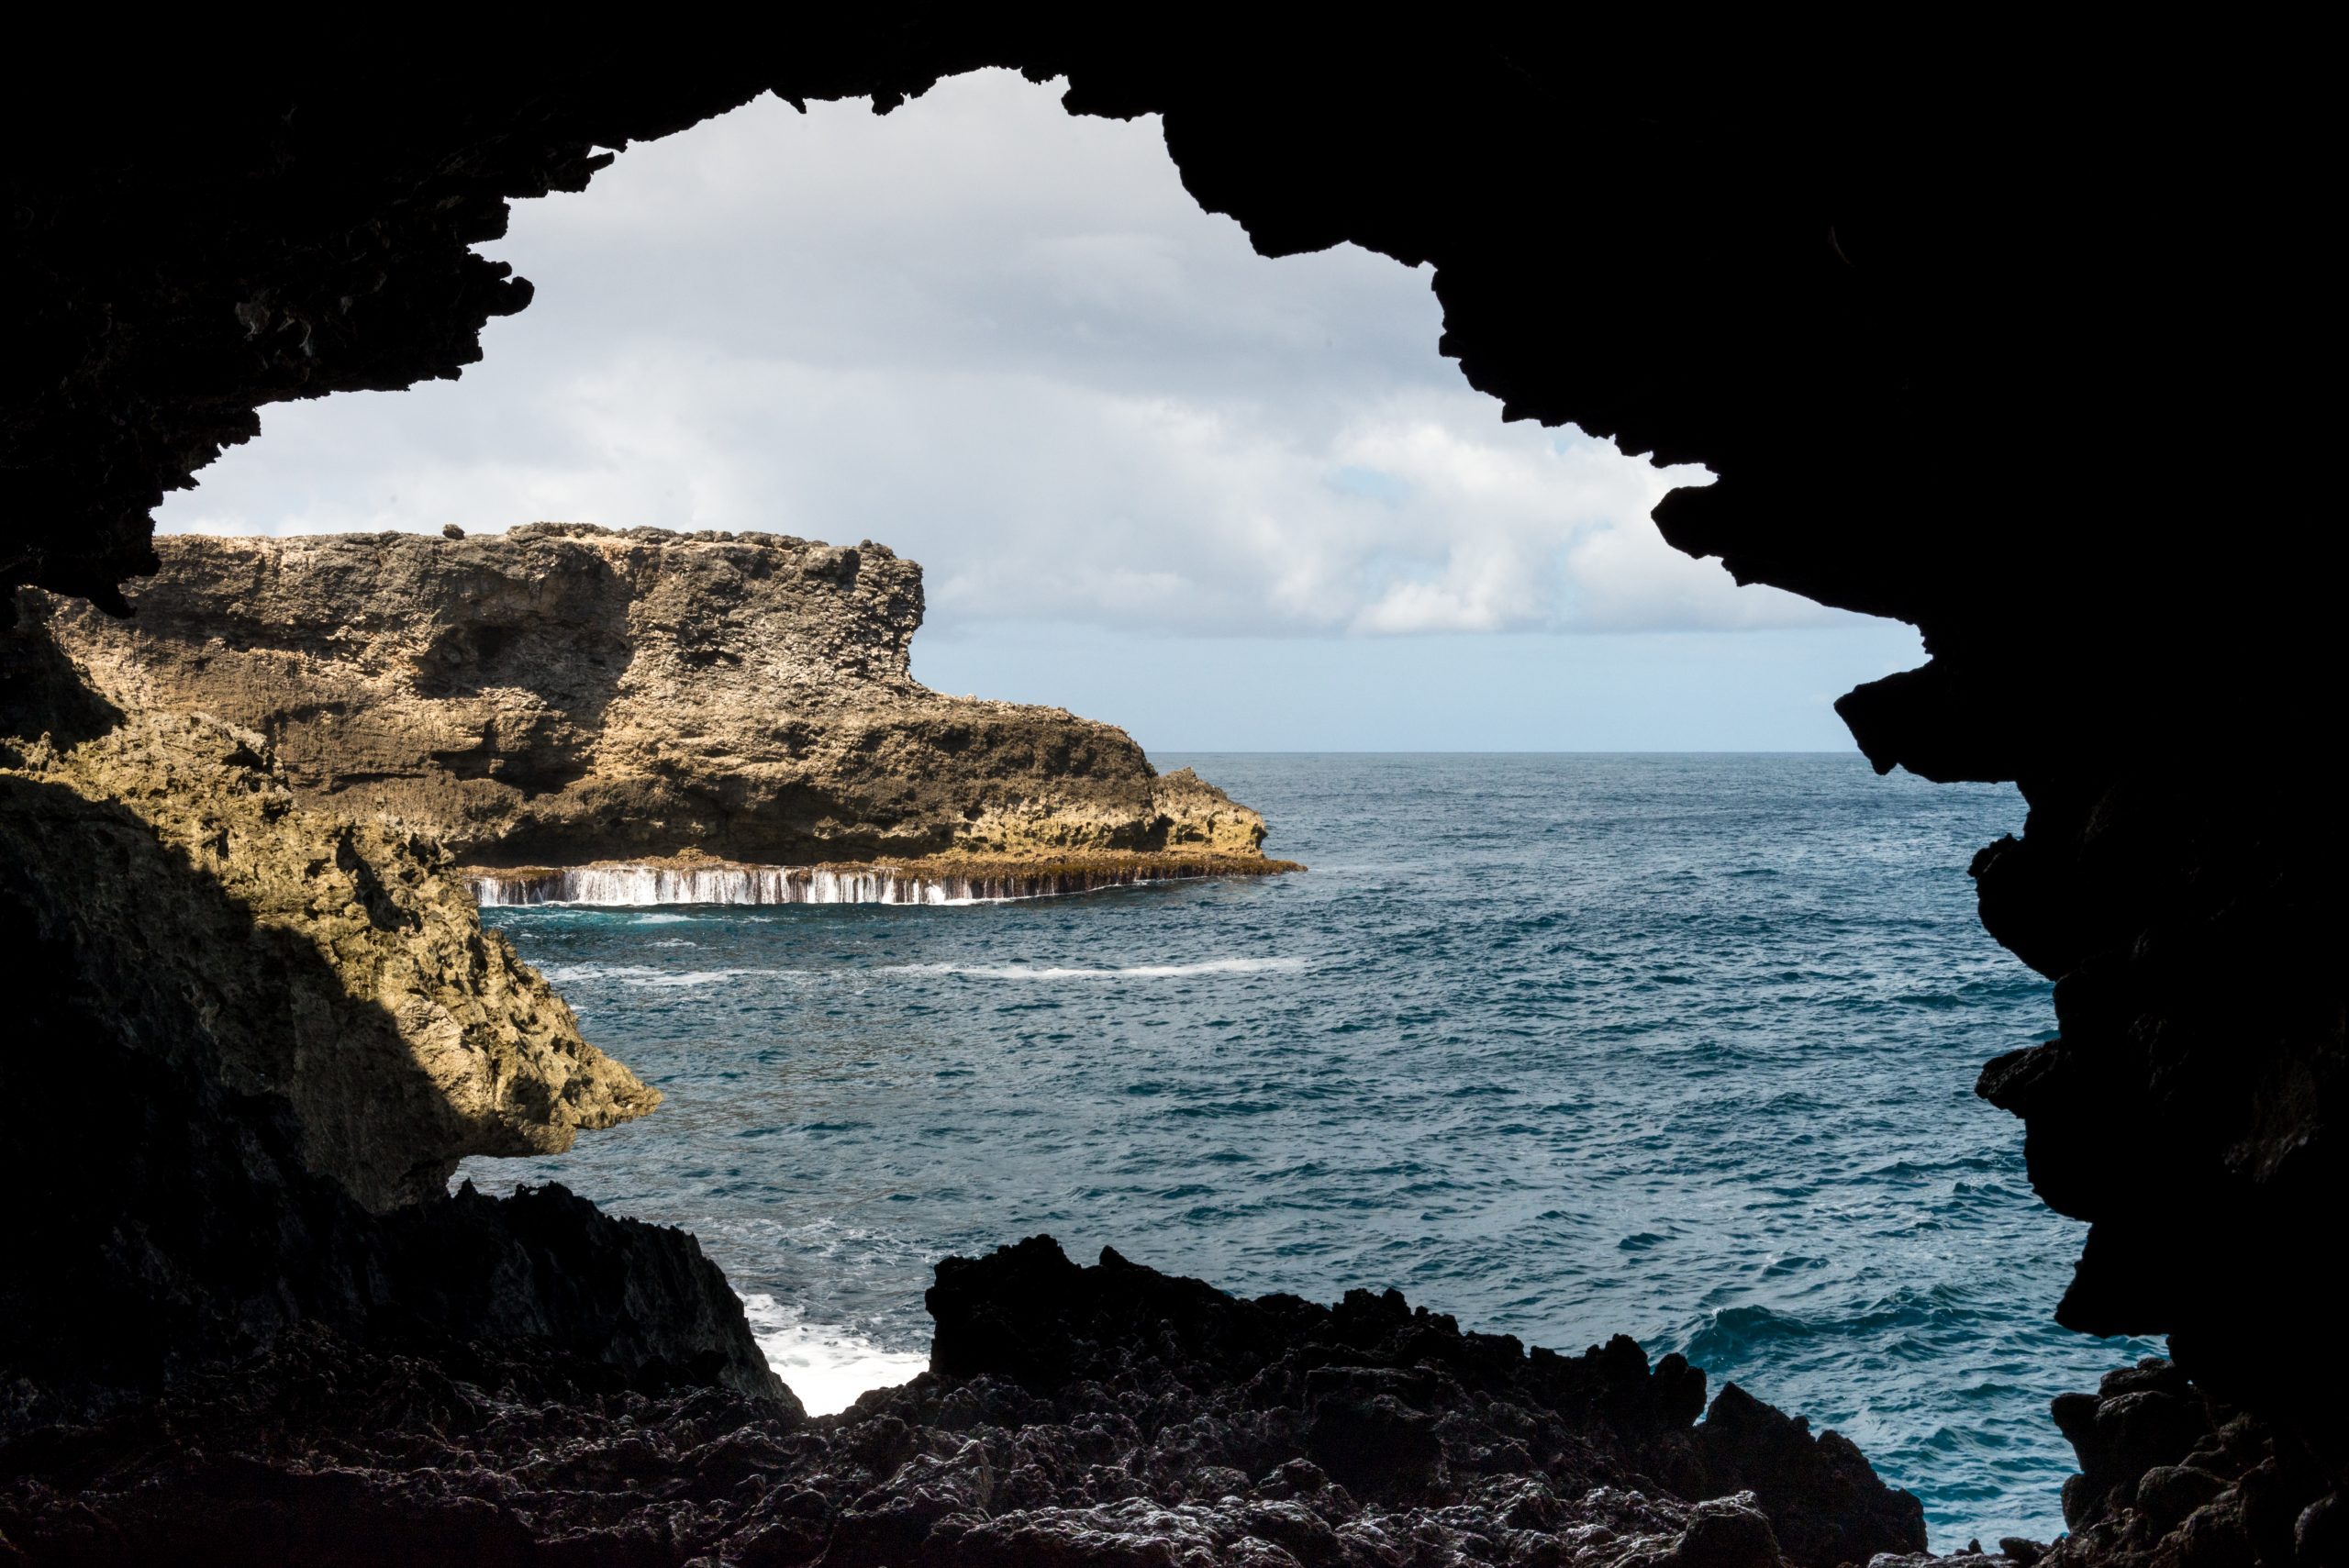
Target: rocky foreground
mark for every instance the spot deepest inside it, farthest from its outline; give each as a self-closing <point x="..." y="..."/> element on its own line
<point x="564" y="693"/>
<point x="241" y="1323"/>
<point x="1110" y="1416"/>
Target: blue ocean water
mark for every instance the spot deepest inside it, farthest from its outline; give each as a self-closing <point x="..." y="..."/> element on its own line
<point x="1677" y="1046"/>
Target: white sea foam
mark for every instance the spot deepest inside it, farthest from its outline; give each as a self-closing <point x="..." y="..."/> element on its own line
<point x="1130" y="972"/>
<point x="691" y="977"/>
<point x="643" y="978"/>
<point x="826" y="1367"/>
<point x="621" y="887"/>
<point x="631" y="885"/>
<point x="573" y="974"/>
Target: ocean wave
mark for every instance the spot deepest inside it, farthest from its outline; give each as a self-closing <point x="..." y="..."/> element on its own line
<point x="573" y="974"/>
<point x="710" y="977"/>
<point x="828" y="1367"/>
<point x="1129" y="971"/>
<point x="645" y="977"/>
<point x="1738" y="1333"/>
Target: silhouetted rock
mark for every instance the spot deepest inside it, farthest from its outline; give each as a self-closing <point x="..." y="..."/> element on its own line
<point x="2010" y="332"/>
<point x="2169" y="1477"/>
<point x="1821" y="1493"/>
<point x="1097" y="1416"/>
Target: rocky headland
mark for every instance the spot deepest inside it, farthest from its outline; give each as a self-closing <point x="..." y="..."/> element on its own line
<point x="248" y="1323"/>
<point x="1815" y="263"/>
<point x="565" y="696"/>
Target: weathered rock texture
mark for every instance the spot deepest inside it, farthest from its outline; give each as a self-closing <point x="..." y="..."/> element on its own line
<point x="565" y="693"/>
<point x="325" y="962"/>
<point x="247" y="1044"/>
<point x="2170" y="1477"/>
<point x="2008" y="332"/>
<point x="1111" y="1417"/>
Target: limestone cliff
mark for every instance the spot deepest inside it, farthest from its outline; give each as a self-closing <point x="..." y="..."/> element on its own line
<point x="565" y="693"/>
<point x="1824" y="273"/>
<point x="247" y="1041"/>
<point x="323" y="961"/>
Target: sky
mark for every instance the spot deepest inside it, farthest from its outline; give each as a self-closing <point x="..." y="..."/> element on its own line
<point x="1226" y="501"/>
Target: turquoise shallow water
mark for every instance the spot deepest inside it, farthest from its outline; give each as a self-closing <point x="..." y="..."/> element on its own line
<point x="1679" y="1046"/>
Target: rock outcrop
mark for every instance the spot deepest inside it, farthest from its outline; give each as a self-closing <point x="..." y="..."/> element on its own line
<point x="2008" y="334"/>
<point x="1104" y="1417"/>
<point x="566" y="694"/>
<point x="325" y="962"/>
<point x="2170" y="1475"/>
<point x="248" y="1043"/>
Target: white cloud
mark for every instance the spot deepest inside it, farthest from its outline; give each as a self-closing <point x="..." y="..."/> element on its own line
<point x="1006" y="342"/>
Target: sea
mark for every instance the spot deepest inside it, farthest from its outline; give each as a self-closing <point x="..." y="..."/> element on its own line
<point x="1566" y="1046"/>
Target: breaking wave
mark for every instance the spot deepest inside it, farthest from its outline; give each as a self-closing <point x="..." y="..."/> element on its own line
<point x="632" y="885"/>
<point x="828" y="1367"/>
<point x="1126" y="971"/>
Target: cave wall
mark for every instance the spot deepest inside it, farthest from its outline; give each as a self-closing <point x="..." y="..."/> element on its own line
<point x="2008" y="331"/>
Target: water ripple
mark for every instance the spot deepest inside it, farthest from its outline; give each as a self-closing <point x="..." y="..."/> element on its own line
<point x="1681" y="1047"/>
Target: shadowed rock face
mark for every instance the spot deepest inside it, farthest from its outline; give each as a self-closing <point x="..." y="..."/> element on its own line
<point x="1102" y="1417"/>
<point x="2007" y="334"/>
<point x="564" y="693"/>
<point x="248" y="1042"/>
<point x="325" y="962"/>
<point x="1399" y="1405"/>
<point x="2170" y="1475"/>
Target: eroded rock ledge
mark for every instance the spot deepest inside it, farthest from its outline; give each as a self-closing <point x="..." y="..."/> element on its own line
<point x="328" y="962"/>
<point x="248" y="1040"/>
<point x="1113" y="1416"/>
<point x="563" y="693"/>
<point x="1826" y="270"/>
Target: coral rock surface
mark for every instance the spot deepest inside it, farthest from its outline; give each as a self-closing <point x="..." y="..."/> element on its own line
<point x="248" y="1040"/>
<point x="563" y="693"/>
<point x="327" y="961"/>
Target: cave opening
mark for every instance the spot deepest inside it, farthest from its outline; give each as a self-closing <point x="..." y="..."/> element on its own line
<point x="1844" y="265"/>
<point x="1005" y="342"/>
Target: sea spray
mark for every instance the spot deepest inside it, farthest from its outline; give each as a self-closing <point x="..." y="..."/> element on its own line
<point x="826" y="1367"/>
<point x="616" y="886"/>
<point x="694" y="879"/>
